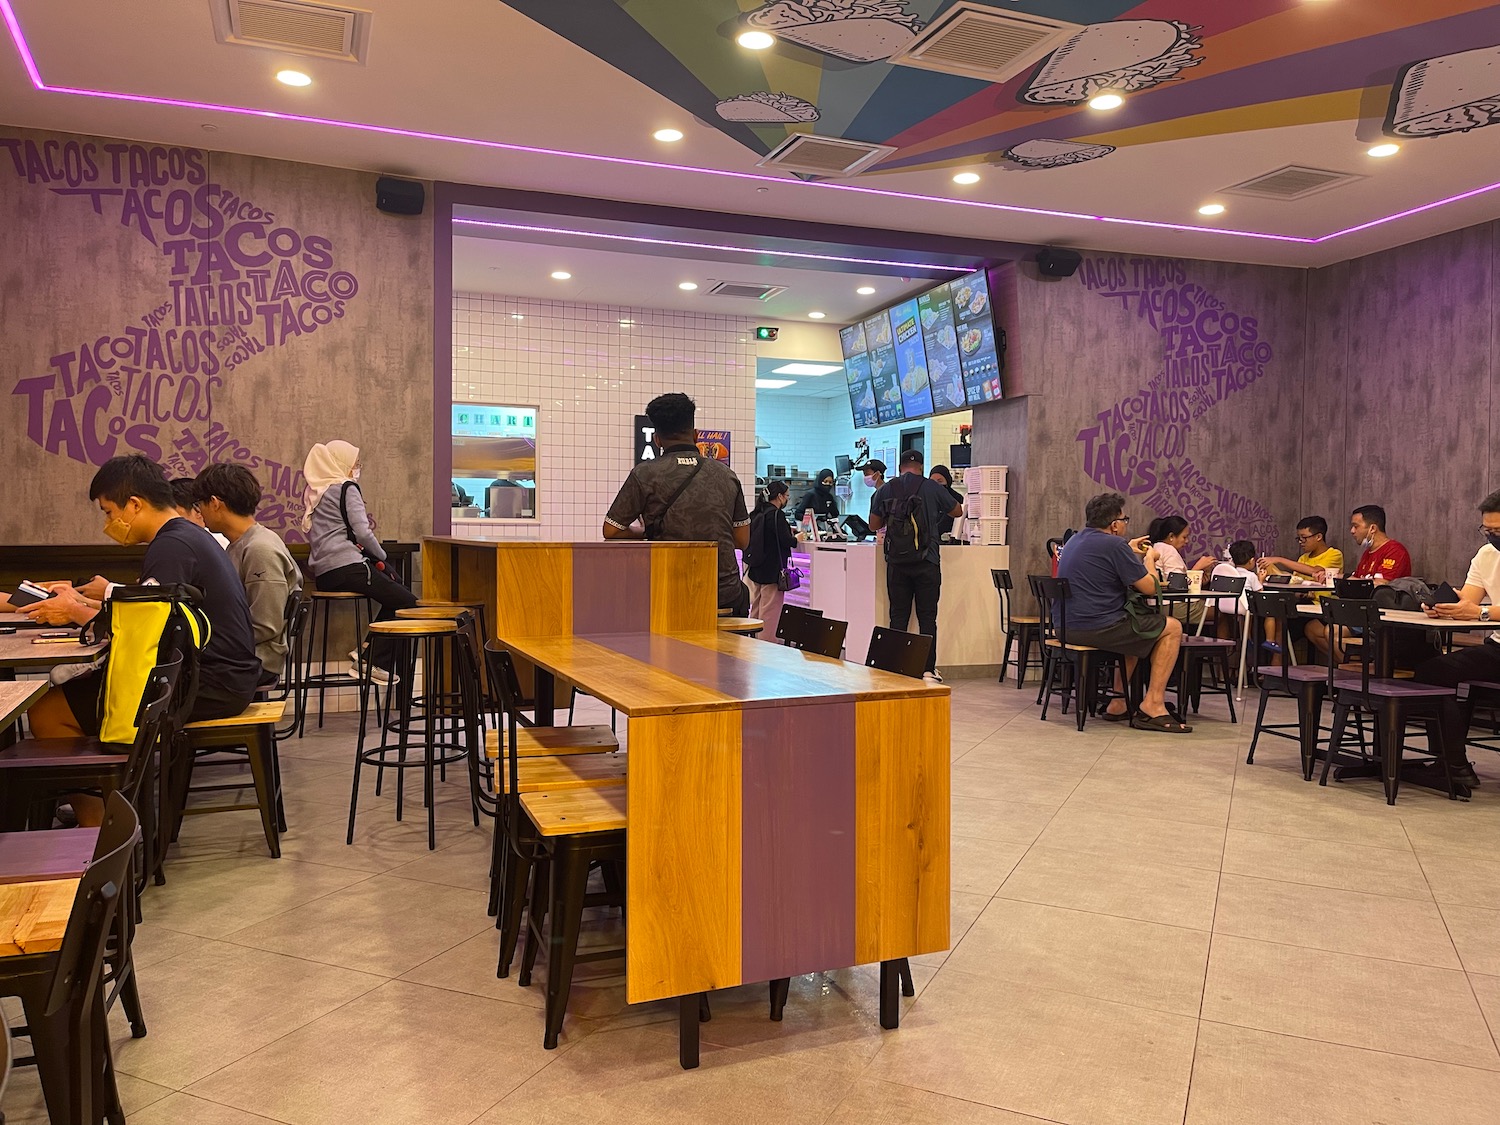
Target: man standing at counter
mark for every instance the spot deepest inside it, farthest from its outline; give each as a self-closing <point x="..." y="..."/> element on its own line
<point x="909" y="508"/>
<point x="684" y="496"/>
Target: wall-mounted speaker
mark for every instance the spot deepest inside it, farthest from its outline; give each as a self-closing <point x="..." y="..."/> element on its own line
<point x="1056" y="262"/>
<point x="399" y="197"/>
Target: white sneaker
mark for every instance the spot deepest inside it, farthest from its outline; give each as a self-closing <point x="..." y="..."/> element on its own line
<point x="932" y="677"/>
<point x="377" y="675"/>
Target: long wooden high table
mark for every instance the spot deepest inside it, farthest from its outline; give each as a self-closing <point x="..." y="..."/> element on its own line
<point x="34" y="916"/>
<point x="786" y="813"/>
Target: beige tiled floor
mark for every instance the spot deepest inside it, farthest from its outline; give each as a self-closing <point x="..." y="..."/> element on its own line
<point x="1145" y="930"/>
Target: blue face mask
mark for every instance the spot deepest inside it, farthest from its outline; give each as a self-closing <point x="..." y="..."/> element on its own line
<point x="1493" y="539"/>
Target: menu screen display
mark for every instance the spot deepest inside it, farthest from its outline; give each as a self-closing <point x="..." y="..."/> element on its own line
<point x="932" y="354"/>
<point x="935" y="309"/>
<point x="976" y="339"/>
<point x="911" y="361"/>
<point x="884" y="377"/>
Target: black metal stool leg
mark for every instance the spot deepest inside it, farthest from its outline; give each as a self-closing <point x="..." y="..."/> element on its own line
<point x="687" y="1030"/>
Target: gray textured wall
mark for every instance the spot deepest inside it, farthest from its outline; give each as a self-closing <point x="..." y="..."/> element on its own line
<point x="87" y="227"/>
<point x="1186" y="428"/>
<point x="1403" y="357"/>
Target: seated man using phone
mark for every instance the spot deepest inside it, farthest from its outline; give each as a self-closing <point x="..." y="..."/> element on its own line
<point x="136" y="501"/>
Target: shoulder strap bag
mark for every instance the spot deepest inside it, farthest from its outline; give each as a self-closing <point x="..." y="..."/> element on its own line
<point x="654" y="527"/>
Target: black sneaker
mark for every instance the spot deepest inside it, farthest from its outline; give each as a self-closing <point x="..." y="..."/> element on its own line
<point x="1464" y="775"/>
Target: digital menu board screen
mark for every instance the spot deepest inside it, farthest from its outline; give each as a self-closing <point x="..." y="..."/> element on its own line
<point x="932" y="354"/>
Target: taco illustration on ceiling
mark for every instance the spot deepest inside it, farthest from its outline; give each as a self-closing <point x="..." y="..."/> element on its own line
<point x="1449" y="94"/>
<point x="857" y="30"/>
<point x="762" y="106"/>
<point x="1054" y="154"/>
<point x="1124" y="56"/>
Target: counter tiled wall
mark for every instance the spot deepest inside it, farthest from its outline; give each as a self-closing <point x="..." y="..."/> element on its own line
<point x="590" y="369"/>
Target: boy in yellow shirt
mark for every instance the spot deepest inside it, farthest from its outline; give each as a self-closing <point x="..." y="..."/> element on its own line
<point x="1316" y="559"/>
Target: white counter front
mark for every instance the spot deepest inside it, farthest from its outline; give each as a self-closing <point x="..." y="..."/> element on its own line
<point x="848" y="582"/>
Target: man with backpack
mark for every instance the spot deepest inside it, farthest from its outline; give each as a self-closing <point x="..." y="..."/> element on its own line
<point x="909" y="508"/>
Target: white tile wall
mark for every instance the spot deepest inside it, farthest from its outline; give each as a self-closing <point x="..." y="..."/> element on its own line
<point x="590" y="369"/>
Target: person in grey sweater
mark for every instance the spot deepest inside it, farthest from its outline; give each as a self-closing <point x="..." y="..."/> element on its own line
<point x="227" y="496"/>
<point x="344" y="553"/>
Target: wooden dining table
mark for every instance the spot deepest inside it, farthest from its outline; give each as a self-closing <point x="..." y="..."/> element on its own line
<point x="25" y="651"/>
<point x="786" y="813"/>
<point x="34" y="915"/>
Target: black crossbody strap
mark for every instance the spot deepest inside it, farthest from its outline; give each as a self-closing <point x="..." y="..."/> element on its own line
<point x="681" y="488"/>
<point x="344" y="512"/>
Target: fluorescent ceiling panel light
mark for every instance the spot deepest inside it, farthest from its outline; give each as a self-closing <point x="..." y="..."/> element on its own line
<point x="773" y="384"/>
<point x="807" y="369"/>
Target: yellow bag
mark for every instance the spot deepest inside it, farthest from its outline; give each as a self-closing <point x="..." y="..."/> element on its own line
<point x="146" y="626"/>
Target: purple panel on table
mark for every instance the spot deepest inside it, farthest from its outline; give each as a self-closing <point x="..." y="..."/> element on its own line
<point x="28" y="857"/>
<point x="611" y="590"/>
<point x="750" y="682"/>
<point x="797" y="862"/>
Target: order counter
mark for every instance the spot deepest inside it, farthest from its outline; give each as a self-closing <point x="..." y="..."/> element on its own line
<point x="847" y="581"/>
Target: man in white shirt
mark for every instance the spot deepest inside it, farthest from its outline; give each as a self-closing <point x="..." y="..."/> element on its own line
<point x="1481" y="662"/>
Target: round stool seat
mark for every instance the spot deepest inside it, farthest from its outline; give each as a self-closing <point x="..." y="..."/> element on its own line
<point x="432" y="612"/>
<point x="412" y="628"/>
<point x="449" y="601"/>
<point x="335" y="594"/>
<point x="741" y="625"/>
<point x="726" y="612"/>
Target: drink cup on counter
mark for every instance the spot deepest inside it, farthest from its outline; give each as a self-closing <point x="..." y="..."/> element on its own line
<point x="1332" y="574"/>
<point x="1195" y="581"/>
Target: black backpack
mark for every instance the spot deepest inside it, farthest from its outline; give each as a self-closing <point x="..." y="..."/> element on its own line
<point x="907" y="533"/>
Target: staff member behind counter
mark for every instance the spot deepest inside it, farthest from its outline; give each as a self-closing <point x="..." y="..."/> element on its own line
<point x="819" y="499"/>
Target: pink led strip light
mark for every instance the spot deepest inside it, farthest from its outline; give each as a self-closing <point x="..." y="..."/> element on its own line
<point x="29" y="62"/>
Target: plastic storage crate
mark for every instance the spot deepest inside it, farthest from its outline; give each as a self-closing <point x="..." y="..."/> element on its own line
<point x="986" y="505"/>
<point x="984" y="478"/>
<point x="987" y="532"/>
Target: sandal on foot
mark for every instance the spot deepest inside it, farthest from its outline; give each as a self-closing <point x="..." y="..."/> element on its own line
<point x="1122" y="717"/>
<point x="1161" y="724"/>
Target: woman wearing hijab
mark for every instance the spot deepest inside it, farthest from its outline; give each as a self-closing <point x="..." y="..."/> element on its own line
<point x="819" y="499"/>
<point x="942" y="476"/>
<point x="343" y="551"/>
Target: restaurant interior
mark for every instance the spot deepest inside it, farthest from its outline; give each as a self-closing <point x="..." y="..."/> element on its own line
<point x="567" y="838"/>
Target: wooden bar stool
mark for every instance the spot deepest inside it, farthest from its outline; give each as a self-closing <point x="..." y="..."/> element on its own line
<point x="748" y="626"/>
<point x="318" y="630"/>
<point x="434" y="745"/>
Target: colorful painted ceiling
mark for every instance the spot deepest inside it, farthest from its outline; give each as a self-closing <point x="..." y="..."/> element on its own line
<point x="1191" y="68"/>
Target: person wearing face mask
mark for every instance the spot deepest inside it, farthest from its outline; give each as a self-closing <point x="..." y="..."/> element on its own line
<point x="874" y="474"/>
<point x="1478" y="663"/>
<point x="136" y="500"/>
<point x="771" y="544"/>
<point x="941" y="475"/>
<point x="343" y="553"/>
<point x="819" y="499"/>
<point x="1383" y="560"/>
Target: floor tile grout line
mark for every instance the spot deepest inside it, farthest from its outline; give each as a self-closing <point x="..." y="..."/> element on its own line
<point x="1353" y="1047"/>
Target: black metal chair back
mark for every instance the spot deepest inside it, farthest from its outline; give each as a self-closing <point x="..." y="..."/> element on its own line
<point x="825" y="636"/>
<point x="1354" y="589"/>
<point x="1054" y="593"/>
<point x="1347" y="613"/>
<point x="472" y="706"/>
<point x="796" y="624"/>
<point x="1003" y="588"/>
<point x="1263" y="606"/>
<point x="75" y="991"/>
<point x="892" y="650"/>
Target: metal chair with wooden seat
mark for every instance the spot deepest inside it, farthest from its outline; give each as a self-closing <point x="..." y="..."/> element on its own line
<point x="823" y="635"/>
<point x="1016" y="628"/>
<point x="794" y="623"/>
<point x="1306" y="683"/>
<point x="1395" y="704"/>
<point x="252" y="731"/>
<point x="320" y="627"/>
<point x="1196" y="651"/>
<point x="1072" y="669"/>
<point x="560" y="756"/>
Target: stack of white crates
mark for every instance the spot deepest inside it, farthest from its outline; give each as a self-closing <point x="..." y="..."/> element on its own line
<point x="985" y="508"/>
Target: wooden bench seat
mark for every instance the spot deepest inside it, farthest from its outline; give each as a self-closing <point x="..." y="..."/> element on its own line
<point x="534" y="742"/>
<point x="575" y="812"/>
<point x="1073" y="648"/>
<point x="575" y="771"/>
<point x="268" y="711"/>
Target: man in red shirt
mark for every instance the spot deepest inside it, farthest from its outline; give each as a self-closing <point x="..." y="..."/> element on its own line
<point x="1384" y="560"/>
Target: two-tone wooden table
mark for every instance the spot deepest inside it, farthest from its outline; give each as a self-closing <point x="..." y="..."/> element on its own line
<point x="26" y="651"/>
<point x="786" y="813"/>
<point x="34" y="916"/>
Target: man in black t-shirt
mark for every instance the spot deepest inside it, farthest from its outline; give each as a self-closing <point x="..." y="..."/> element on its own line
<point x="136" y="500"/>
<point x="918" y="581"/>
<point x="684" y="496"/>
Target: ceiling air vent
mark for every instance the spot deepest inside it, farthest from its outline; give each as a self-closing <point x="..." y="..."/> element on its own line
<point x="1293" y="182"/>
<point x="978" y="41"/>
<point x="293" y="27"/>
<point x="824" y="156"/>
<point x="743" y="289"/>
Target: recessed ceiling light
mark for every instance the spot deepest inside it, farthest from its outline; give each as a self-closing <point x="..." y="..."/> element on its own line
<point x="754" y="40"/>
<point x="865" y="290"/>
<point x="626" y="323"/>
<point x="1387" y="149"/>
<point x="1211" y="209"/>
<point x="966" y="178"/>
<point x="687" y="285"/>
<point x="668" y="134"/>
<point x="293" y="78"/>
<point x="517" y="316"/>
<point x="807" y="369"/>
<point x="773" y="384"/>
<point x="1108" y="100"/>
<point x="816" y="315"/>
<point x="560" y="275"/>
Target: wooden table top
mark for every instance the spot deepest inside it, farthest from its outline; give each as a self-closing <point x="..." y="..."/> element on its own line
<point x="16" y="696"/>
<point x="34" y="916"/>
<point x="661" y="674"/>
<point x="26" y="857"/>
<point x="21" y="621"/>
<point x="1413" y="617"/>
<point x="17" y="651"/>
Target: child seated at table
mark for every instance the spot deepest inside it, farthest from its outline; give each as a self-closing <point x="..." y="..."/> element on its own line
<point x="1241" y="565"/>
